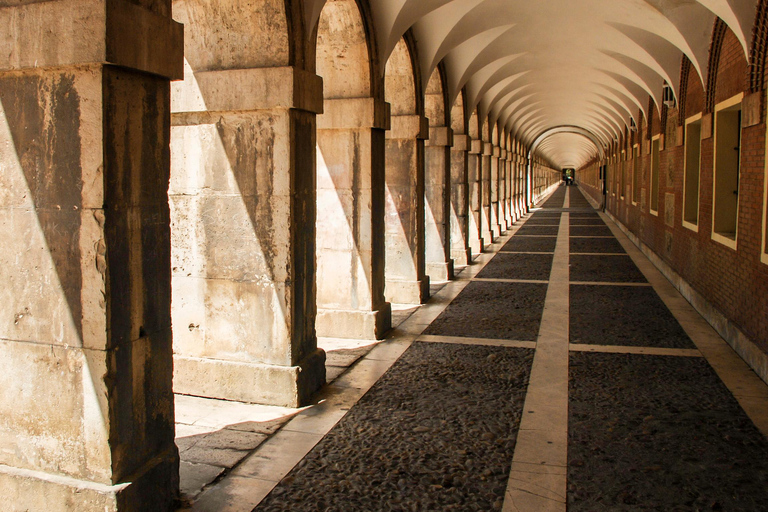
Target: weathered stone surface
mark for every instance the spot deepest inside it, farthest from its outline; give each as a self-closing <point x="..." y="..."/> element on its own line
<point x="350" y="229"/>
<point x="244" y="208"/>
<point x="87" y="342"/>
<point x="110" y="32"/>
<point x="283" y="385"/>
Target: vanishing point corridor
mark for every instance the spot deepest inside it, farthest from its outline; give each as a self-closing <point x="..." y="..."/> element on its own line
<point x="559" y="370"/>
<point x="373" y="255"/>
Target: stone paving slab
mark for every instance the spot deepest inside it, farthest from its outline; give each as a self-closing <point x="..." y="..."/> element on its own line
<point x="591" y="231"/>
<point x="551" y="220"/>
<point x="587" y="221"/>
<point x="494" y="311"/>
<point x="609" y="268"/>
<point x="531" y="244"/>
<point x="660" y="433"/>
<point x="541" y="214"/>
<point x="436" y="432"/>
<point x="518" y="266"/>
<point x="596" y="245"/>
<point x="623" y="315"/>
<point x="538" y="230"/>
<point x="591" y="214"/>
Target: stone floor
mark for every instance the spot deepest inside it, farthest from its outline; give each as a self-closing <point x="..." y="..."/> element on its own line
<point x="559" y="370"/>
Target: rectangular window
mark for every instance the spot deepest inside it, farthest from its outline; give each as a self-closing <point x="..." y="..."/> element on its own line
<point x="623" y="182"/>
<point x="725" y="204"/>
<point x="691" y="172"/>
<point x="636" y="174"/>
<point x="655" y="163"/>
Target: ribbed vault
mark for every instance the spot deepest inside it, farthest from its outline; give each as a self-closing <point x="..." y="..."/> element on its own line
<point x="533" y="66"/>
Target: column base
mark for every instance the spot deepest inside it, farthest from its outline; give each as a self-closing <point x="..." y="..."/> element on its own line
<point x="462" y="257"/>
<point x="154" y="489"/>
<point x="509" y="217"/>
<point x="477" y="246"/>
<point x="352" y="324"/>
<point x="408" y="292"/>
<point x="440" y="271"/>
<point x="285" y="386"/>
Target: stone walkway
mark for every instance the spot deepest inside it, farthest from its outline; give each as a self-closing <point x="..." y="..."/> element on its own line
<point x="560" y="370"/>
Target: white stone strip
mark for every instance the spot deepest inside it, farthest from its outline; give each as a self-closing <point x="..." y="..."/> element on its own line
<point x="66" y="482"/>
<point x="483" y="342"/>
<point x="650" y="351"/>
<point x="537" y="480"/>
<point x="609" y="283"/>
<point x="604" y="237"/>
<point x="750" y="391"/>
<point x="598" y="254"/>
<point x="524" y="252"/>
<point x="500" y="280"/>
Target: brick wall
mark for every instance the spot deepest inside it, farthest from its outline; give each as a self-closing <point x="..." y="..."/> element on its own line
<point x="733" y="281"/>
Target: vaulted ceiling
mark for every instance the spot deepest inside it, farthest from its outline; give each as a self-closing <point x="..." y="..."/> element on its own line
<point x="537" y="65"/>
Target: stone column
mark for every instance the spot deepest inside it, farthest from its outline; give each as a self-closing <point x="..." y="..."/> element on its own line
<point x="511" y="213"/>
<point x="243" y="211"/>
<point x="504" y="216"/>
<point x="437" y="162"/>
<point x="496" y="212"/>
<point x="521" y="181"/>
<point x="350" y="205"/>
<point x="460" y="214"/>
<point x="406" y="279"/>
<point x="475" y="177"/>
<point x="488" y="221"/>
<point x="86" y="420"/>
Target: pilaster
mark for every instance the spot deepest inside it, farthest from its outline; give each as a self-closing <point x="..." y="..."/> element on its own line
<point x="243" y="207"/>
<point x="459" y="196"/>
<point x="350" y="205"/>
<point x="406" y="279"/>
<point x="439" y="264"/>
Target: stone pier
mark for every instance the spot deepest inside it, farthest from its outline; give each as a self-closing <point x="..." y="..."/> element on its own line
<point x="437" y="179"/>
<point x="86" y="420"/>
<point x="460" y="250"/>
<point x="406" y="279"/>
<point x="488" y="220"/>
<point x="350" y="203"/>
<point x="497" y="194"/>
<point x="350" y="182"/>
<point x="474" y="176"/>
<point x="243" y="212"/>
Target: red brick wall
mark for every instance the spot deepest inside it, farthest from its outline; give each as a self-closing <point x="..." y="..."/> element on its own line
<point x="735" y="282"/>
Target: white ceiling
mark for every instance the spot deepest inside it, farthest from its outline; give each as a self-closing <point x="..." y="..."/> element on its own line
<point x="534" y="65"/>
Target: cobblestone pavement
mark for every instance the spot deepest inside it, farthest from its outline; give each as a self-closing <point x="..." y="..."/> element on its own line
<point x="551" y="375"/>
<point x="437" y="432"/>
<point x="660" y="433"/>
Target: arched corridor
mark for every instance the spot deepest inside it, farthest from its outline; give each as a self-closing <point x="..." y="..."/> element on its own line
<point x="326" y="255"/>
